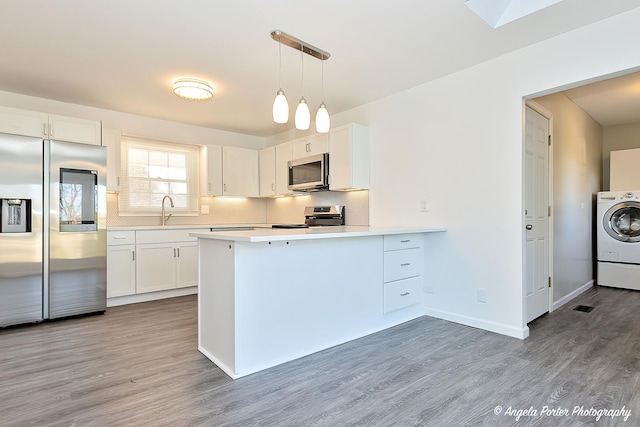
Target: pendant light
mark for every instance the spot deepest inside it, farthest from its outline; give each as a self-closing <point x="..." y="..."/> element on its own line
<point x="323" y="122"/>
<point x="280" y="104"/>
<point x="303" y="115"/>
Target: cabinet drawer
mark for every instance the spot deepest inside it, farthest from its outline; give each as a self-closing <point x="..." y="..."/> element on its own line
<point x="393" y="242"/>
<point x="169" y="235"/>
<point x="402" y="264"/>
<point x="402" y="293"/>
<point x="126" y="237"/>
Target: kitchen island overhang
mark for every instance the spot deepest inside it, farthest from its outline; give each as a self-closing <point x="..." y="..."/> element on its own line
<point x="267" y="296"/>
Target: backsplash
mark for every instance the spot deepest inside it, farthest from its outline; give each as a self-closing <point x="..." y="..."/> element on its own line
<point x="291" y="209"/>
<point x="239" y="210"/>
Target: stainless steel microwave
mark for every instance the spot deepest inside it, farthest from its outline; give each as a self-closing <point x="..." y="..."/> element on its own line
<point x="310" y="173"/>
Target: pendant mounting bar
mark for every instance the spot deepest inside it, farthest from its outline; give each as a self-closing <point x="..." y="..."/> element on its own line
<point x="297" y="44"/>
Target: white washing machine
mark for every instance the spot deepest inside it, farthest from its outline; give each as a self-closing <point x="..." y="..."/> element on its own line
<point x="618" y="239"/>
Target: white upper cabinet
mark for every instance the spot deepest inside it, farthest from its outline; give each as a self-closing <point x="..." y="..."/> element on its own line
<point x="267" y="158"/>
<point x="283" y="155"/>
<point x="211" y="170"/>
<point x="310" y="145"/>
<point x="70" y="129"/>
<point x="240" y="172"/>
<point x="50" y="126"/>
<point x="23" y="122"/>
<point x="349" y="157"/>
<point x="111" y="140"/>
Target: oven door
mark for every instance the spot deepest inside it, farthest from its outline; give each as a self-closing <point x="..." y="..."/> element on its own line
<point x="309" y="173"/>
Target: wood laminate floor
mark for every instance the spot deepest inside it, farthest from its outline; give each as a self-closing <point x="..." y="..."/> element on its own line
<point x="138" y="365"/>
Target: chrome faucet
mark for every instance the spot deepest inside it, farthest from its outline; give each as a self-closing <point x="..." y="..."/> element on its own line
<point x="166" y="218"/>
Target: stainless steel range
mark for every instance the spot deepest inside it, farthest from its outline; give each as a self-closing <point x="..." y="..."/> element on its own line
<point x="319" y="216"/>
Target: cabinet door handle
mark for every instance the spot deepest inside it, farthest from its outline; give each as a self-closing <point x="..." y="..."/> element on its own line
<point x="119" y="237"/>
<point x="224" y="187"/>
<point x="405" y="241"/>
<point x="405" y="294"/>
<point x="51" y="133"/>
<point x="133" y="255"/>
<point x="178" y="252"/>
<point x="44" y="129"/>
<point x="406" y="264"/>
<point x="118" y="181"/>
<point x="209" y="186"/>
<point x="273" y="187"/>
<point x="174" y="252"/>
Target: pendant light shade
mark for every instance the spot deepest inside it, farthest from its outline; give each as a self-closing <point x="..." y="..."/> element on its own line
<point x="280" y="104"/>
<point x="303" y="115"/>
<point x="323" y="122"/>
<point x="280" y="108"/>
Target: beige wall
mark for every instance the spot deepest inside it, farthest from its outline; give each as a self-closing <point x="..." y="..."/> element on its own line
<point x="577" y="174"/>
<point x="622" y="137"/>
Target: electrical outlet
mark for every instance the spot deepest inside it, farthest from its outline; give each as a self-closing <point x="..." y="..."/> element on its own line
<point x="482" y="295"/>
<point x="204" y="209"/>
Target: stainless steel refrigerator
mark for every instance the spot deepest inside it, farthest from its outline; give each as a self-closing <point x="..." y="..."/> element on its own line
<point x="52" y="229"/>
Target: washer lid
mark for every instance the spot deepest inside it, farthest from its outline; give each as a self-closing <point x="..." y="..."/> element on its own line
<point x="622" y="221"/>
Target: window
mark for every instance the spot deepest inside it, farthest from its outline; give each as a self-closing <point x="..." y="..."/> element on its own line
<point x="154" y="169"/>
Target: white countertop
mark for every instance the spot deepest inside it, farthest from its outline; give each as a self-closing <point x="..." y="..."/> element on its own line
<point x="187" y="226"/>
<point x="280" y="234"/>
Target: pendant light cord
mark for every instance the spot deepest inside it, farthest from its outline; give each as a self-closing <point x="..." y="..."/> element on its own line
<point x="280" y="61"/>
<point x="302" y="56"/>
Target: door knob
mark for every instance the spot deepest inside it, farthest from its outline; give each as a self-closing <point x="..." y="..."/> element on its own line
<point x="529" y="227"/>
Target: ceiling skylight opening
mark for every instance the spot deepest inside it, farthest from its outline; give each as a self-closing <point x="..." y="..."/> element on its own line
<point x="500" y="12"/>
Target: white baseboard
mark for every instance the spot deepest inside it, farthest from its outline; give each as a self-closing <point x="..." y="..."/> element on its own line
<point x="151" y="296"/>
<point x="499" y="328"/>
<point x="565" y="299"/>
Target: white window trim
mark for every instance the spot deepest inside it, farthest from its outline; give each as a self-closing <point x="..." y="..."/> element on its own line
<point x="192" y="159"/>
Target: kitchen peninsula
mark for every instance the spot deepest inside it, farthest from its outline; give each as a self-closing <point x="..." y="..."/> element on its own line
<point x="268" y="296"/>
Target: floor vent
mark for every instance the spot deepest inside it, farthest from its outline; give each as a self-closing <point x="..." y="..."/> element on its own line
<point x="585" y="308"/>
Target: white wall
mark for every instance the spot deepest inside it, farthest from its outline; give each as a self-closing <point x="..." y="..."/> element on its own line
<point x="457" y="142"/>
<point x="577" y="177"/>
<point x="622" y="137"/>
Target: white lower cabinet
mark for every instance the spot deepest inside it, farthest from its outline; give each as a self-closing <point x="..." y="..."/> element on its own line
<point x="186" y="264"/>
<point x="145" y="261"/>
<point x="156" y="267"/>
<point x="121" y="263"/>
<point x="403" y="271"/>
<point x="166" y="259"/>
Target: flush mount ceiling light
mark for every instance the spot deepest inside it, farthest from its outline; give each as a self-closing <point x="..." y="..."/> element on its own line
<point x="193" y="89"/>
<point x="280" y="105"/>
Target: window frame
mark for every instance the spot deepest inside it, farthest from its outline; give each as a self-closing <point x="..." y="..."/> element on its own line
<point x="189" y="200"/>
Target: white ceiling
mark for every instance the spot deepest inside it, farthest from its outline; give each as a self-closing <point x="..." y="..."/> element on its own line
<point x="123" y="55"/>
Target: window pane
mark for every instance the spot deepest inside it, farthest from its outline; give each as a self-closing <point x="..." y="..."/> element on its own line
<point x="160" y="187"/>
<point x="138" y="156"/>
<point x="177" y="173"/>
<point x="138" y="171"/>
<point x="161" y="172"/>
<point x="157" y="158"/>
<point x="178" y="188"/>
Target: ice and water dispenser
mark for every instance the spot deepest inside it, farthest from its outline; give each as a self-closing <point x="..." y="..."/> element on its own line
<point x="15" y="216"/>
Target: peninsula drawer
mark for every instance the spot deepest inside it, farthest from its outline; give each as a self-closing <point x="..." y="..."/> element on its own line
<point x="393" y="242"/>
<point x="402" y="264"/>
<point x="402" y="293"/>
<point x="126" y="237"/>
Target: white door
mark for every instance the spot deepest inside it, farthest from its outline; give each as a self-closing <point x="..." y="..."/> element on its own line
<point x="536" y="214"/>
